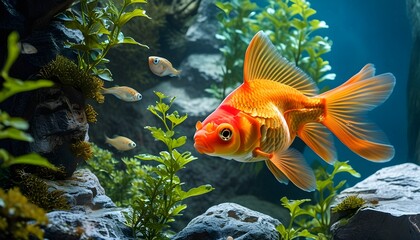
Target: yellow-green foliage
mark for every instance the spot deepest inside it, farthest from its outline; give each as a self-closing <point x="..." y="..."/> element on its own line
<point x="13" y="127"/>
<point x="36" y="190"/>
<point x="15" y="214"/>
<point x="66" y="72"/>
<point x="313" y="220"/>
<point x="82" y="149"/>
<point x="90" y="113"/>
<point x="351" y="202"/>
<point x="101" y="23"/>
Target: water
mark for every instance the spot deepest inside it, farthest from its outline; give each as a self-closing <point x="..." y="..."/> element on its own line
<point x="379" y="33"/>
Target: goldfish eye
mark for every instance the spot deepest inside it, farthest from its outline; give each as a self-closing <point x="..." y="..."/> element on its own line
<point x="139" y="96"/>
<point x="133" y="145"/>
<point x="225" y="134"/>
<point x="156" y="61"/>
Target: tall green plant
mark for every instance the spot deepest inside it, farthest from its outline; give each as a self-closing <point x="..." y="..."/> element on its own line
<point x="290" y="27"/>
<point x="101" y="23"/>
<point x="233" y="18"/>
<point x="313" y="220"/>
<point x="158" y="192"/>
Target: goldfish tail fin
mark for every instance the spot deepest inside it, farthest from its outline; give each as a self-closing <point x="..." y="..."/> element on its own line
<point x="290" y="164"/>
<point x="345" y="107"/>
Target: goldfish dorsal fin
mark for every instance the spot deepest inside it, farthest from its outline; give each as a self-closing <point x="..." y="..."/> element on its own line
<point x="263" y="61"/>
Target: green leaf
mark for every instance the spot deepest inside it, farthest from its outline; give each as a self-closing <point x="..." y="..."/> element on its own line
<point x="32" y="159"/>
<point x="176" y="211"/>
<point x="13" y="52"/>
<point x="203" y="189"/>
<point x="127" y="16"/>
<point x="12" y="86"/>
<point x="179" y="141"/>
<point x="130" y="40"/>
<point x="128" y="2"/>
<point x="149" y="157"/>
<point x="176" y="119"/>
<point x="344" y="167"/>
<point x="16" y="134"/>
<point x="104" y="74"/>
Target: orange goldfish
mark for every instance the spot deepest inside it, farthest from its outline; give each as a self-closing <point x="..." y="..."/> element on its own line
<point x="124" y="93"/>
<point x="120" y="143"/>
<point x="162" y="67"/>
<point x="260" y="119"/>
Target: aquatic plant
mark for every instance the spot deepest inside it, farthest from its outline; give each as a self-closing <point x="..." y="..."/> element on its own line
<point x="90" y="113"/>
<point x="101" y="23"/>
<point x="289" y="26"/>
<point x="313" y="220"/>
<point x="36" y="190"/>
<point x="66" y="72"/>
<point x="20" y="219"/>
<point x="116" y="177"/>
<point x="13" y="127"/>
<point x="234" y="34"/>
<point x="158" y="193"/>
<point x="349" y="203"/>
<point x="82" y="149"/>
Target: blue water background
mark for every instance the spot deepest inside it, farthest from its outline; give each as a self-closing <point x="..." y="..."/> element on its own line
<point x="377" y="32"/>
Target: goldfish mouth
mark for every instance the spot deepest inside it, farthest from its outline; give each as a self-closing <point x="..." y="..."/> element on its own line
<point x="201" y="145"/>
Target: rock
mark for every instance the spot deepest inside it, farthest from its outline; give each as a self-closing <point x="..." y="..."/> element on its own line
<point x="230" y="219"/>
<point x="93" y="215"/>
<point x="201" y="35"/>
<point x="393" y="210"/>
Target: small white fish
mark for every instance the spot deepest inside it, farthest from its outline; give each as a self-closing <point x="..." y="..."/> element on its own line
<point x="26" y="48"/>
<point x="120" y="143"/>
<point x="124" y="93"/>
<point x="162" y="67"/>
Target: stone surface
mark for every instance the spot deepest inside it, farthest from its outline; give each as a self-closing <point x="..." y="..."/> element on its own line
<point x="201" y="35"/>
<point x="230" y="219"/>
<point x="392" y="210"/>
<point x="93" y="215"/>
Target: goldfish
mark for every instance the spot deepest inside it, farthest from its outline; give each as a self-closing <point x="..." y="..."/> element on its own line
<point x="277" y="101"/>
<point x="120" y="143"/>
<point x="162" y="67"/>
<point x="124" y="93"/>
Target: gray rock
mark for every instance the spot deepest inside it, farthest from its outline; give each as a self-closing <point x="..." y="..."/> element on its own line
<point x="230" y="219"/>
<point x="93" y="215"/>
<point x="392" y="210"/>
<point x="201" y="35"/>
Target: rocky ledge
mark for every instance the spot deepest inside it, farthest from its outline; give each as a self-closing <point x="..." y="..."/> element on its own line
<point x="392" y="208"/>
<point x="93" y="215"/>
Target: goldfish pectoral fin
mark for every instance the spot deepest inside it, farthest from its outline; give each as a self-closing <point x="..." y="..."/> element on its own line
<point x="320" y="140"/>
<point x="276" y="172"/>
<point x="263" y="61"/>
<point x="295" y="168"/>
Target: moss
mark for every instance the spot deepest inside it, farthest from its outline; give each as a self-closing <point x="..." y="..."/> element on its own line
<point x="351" y="202"/>
<point x="66" y="72"/>
<point x="36" y="190"/>
<point x="90" y="113"/>
<point x="82" y="149"/>
<point x="20" y="219"/>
